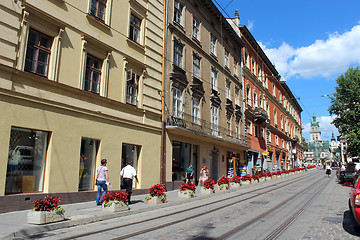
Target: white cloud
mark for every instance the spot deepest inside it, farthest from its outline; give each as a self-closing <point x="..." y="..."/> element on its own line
<point x="324" y="58"/>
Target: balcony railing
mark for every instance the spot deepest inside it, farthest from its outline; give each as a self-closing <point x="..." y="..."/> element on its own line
<point x="260" y="115"/>
<point x="205" y="128"/>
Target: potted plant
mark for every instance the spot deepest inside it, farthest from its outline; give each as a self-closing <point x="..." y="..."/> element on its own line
<point x="246" y="179"/>
<point x="268" y="176"/>
<point x="187" y="190"/>
<point x="156" y="194"/>
<point x="235" y="182"/>
<point x="115" y="201"/>
<point x="223" y="183"/>
<point x="208" y="187"/>
<point x="255" y="178"/>
<point x="46" y="210"/>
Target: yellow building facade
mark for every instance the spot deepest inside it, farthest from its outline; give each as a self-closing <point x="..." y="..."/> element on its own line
<point x="203" y="93"/>
<point x="79" y="81"/>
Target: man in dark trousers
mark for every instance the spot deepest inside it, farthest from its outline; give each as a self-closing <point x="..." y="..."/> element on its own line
<point x="128" y="173"/>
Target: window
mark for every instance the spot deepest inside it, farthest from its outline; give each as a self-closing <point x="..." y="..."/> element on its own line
<point x="196" y="66"/>
<point x="282" y="143"/>
<point x="236" y="100"/>
<point x="226" y="59"/>
<point x="38" y="53"/>
<point x="196" y="29"/>
<point x="256" y="131"/>
<point x="277" y="140"/>
<point x="214" y="120"/>
<point x="235" y="68"/>
<point x="237" y="127"/>
<point x="134" y="32"/>
<point x="177" y="12"/>
<point x="262" y="133"/>
<point x="213" y="45"/>
<point x="253" y="66"/>
<point x="275" y="117"/>
<point x="261" y="101"/>
<point x="249" y="127"/>
<point x="273" y="90"/>
<point x="281" y="122"/>
<point x="213" y="80"/>
<point x="246" y="58"/>
<point x="92" y="74"/>
<point x="228" y="124"/>
<point x="88" y="154"/>
<point x="227" y="89"/>
<point x="132" y="87"/>
<point x="196" y="110"/>
<point x="178" y="54"/>
<point x="259" y="73"/>
<point x="248" y="95"/>
<point x="177" y="103"/>
<point x="255" y="99"/>
<point x="268" y="137"/>
<point x="26" y="160"/>
<point x="98" y="8"/>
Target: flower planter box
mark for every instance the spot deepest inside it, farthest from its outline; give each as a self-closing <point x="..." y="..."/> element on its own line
<point x="185" y="195"/>
<point x="235" y="185"/>
<point x="247" y="182"/>
<point x="207" y="191"/>
<point x="261" y="179"/>
<point x="44" y="217"/>
<point x="154" y="200"/>
<point x="223" y="187"/>
<point x="115" y="207"/>
<point x="268" y="178"/>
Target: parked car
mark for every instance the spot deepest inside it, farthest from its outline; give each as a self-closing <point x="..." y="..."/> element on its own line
<point x="354" y="201"/>
<point x="349" y="174"/>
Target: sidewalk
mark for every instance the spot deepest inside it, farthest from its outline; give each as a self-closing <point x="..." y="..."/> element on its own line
<point x="14" y="224"/>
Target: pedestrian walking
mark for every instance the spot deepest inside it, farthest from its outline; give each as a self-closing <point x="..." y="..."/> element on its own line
<point x="189" y="173"/>
<point x="328" y="170"/>
<point x="102" y="181"/>
<point x="128" y="173"/>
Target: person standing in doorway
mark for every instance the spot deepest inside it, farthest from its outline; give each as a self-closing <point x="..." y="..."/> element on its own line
<point x="128" y="173"/>
<point x="102" y="180"/>
<point x="189" y="173"/>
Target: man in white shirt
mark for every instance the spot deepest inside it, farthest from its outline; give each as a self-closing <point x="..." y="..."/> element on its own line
<point x="128" y="173"/>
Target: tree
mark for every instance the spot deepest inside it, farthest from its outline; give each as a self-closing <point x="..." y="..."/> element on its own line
<point x="345" y="105"/>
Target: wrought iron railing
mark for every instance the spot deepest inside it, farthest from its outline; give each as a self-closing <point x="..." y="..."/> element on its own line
<point x="204" y="127"/>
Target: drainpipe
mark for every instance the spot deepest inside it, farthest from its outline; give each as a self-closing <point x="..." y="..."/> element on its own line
<point x="163" y="117"/>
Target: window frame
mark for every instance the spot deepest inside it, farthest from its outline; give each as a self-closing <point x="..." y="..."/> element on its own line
<point x="98" y="3"/>
<point x="178" y="54"/>
<point x="226" y="58"/>
<point x="215" y="121"/>
<point x="132" y="85"/>
<point x="93" y="70"/>
<point x="196" y="110"/>
<point x="178" y="8"/>
<point x="196" y="67"/>
<point x="177" y="103"/>
<point x="134" y="26"/>
<point x="38" y="48"/>
<point x="212" y="44"/>
<point x="213" y="79"/>
<point x="196" y="29"/>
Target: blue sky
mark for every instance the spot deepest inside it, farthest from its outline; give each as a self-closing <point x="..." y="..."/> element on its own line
<point x="310" y="42"/>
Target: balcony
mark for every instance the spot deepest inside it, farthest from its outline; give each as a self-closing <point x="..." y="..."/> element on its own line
<point x="295" y="139"/>
<point x="260" y="115"/>
<point x="238" y="113"/>
<point x="204" y="128"/>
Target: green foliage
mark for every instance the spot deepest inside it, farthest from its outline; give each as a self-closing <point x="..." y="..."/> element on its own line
<point x="346" y="106"/>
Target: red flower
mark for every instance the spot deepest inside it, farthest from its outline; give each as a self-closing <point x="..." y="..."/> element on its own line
<point x="188" y="186"/>
<point x="119" y="196"/>
<point x="223" y="180"/>
<point x="247" y="177"/>
<point x="157" y="190"/>
<point x="46" y="204"/>
<point x="209" y="184"/>
<point x="236" y="179"/>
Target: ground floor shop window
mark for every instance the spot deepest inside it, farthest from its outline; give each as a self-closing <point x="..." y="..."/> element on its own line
<point x="130" y="154"/>
<point x="26" y="160"/>
<point x="235" y="165"/>
<point x="88" y="153"/>
<point x="181" y="160"/>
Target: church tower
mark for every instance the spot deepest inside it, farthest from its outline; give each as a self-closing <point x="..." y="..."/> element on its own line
<point x="333" y="142"/>
<point x="315" y="133"/>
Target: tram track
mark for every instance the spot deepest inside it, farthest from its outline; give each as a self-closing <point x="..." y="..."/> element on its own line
<point x="283" y="226"/>
<point x="234" y="199"/>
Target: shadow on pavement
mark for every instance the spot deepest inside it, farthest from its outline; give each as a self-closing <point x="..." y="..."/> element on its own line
<point x="350" y="225"/>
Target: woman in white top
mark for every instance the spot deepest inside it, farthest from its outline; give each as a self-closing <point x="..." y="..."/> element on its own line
<point x="102" y="179"/>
